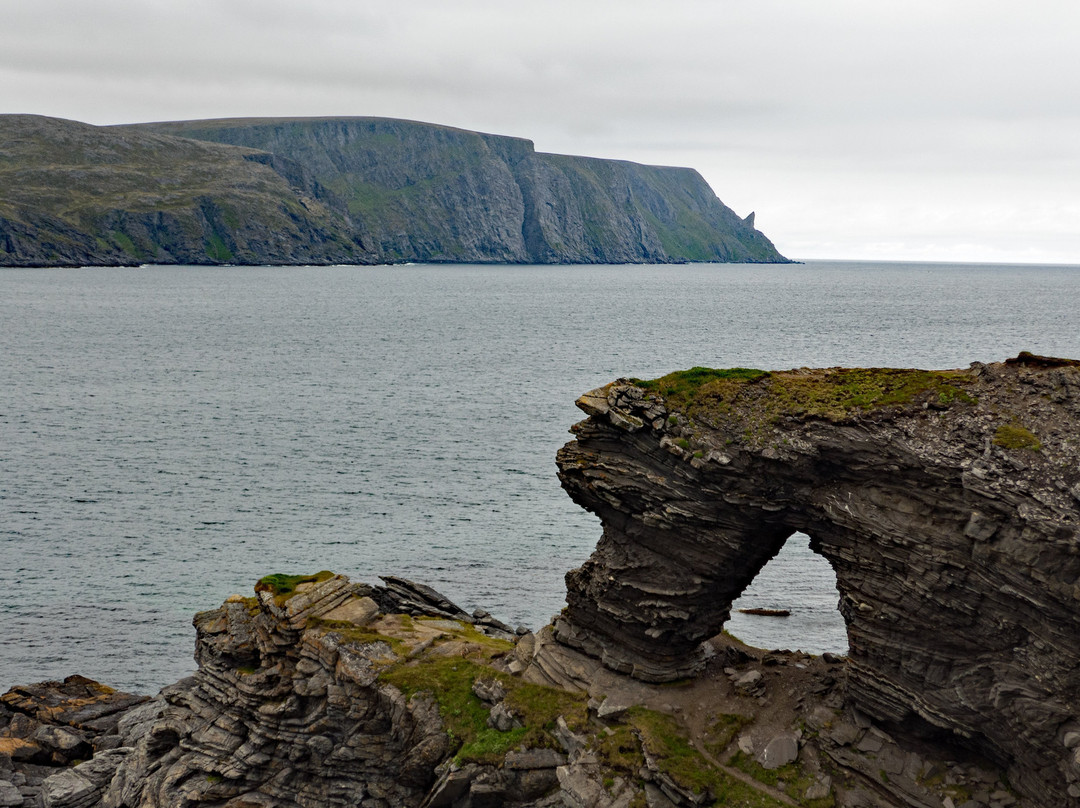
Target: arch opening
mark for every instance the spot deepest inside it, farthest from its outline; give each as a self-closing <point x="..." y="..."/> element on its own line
<point x="801" y="581"/>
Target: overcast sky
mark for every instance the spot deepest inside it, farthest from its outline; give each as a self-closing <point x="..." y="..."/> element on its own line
<point x="943" y="130"/>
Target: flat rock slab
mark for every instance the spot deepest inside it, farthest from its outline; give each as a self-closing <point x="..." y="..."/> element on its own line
<point x="780" y="751"/>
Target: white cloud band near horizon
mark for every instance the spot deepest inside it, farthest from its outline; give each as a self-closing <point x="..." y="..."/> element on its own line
<point x="906" y="131"/>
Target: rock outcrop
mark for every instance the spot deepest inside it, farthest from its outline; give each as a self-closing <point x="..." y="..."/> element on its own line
<point x="948" y="504"/>
<point x="341" y="191"/>
<point x="311" y="694"/>
<point x="294" y="703"/>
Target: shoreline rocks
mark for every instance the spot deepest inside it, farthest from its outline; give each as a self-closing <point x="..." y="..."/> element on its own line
<point x="321" y="696"/>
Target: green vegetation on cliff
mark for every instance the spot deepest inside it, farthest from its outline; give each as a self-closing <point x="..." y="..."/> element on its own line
<point x="341" y="190"/>
<point x="833" y="394"/>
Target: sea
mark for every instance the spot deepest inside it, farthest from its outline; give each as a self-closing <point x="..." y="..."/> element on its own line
<point x="168" y="435"/>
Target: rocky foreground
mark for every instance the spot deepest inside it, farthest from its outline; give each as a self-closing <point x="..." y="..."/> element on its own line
<point x="324" y="692"/>
<point x="947" y="502"/>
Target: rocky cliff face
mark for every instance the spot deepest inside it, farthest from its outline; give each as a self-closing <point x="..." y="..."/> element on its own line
<point x="349" y="190"/>
<point x="948" y="504"/>
<point x="321" y="692"/>
<point x="433" y="193"/>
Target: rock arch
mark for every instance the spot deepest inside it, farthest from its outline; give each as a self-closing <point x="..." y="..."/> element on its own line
<point x="947" y="503"/>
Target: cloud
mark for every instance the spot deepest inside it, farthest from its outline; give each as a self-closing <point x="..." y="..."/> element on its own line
<point x="769" y="99"/>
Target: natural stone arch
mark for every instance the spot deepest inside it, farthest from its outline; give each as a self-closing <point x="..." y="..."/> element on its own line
<point x="951" y="526"/>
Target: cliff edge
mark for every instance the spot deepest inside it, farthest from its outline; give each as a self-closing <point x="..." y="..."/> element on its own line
<point x="342" y="191"/>
<point x="947" y="502"/>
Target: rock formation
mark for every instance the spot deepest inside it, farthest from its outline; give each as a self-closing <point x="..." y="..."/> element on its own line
<point x="322" y="692"/>
<point x="341" y="190"/>
<point x="948" y="504"/>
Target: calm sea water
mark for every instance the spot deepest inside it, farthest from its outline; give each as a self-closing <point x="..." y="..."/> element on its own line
<point x="169" y="435"/>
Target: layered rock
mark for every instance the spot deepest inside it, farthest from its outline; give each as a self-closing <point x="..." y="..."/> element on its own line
<point x="948" y="504"/>
<point x="316" y="692"/>
<point x="323" y="692"/>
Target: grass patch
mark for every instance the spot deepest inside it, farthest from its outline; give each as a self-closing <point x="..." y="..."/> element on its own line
<point x="283" y="586"/>
<point x="620" y="750"/>
<point x="1014" y="436"/>
<point x="683" y="386"/>
<point x="790" y="779"/>
<point x="450" y="679"/>
<point x="666" y="740"/>
<point x="754" y="400"/>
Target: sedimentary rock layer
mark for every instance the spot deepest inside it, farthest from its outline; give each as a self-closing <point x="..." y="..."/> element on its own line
<point x="948" y="504"/>
<point x="322" y="692"/>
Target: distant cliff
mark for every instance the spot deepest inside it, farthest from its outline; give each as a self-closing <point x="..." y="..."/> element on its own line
<point x="345" y="190"/>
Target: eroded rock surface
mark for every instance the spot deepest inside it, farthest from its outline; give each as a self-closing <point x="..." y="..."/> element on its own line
<point x="948" y="504"/>
<point x="324" y="692"/>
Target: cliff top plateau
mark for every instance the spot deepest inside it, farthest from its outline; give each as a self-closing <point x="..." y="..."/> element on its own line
<point x="341" y="191"/>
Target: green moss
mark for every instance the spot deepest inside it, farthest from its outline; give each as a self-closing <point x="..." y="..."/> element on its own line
<point x="1014" y="436"/>
<point x="450" y="679"/>
<point x="620" y="750"/>
<point x="541" y="706"/>
<point x="790" y="778"/>
<point x="283" y="586"/>
<point x="684" y="386"/>
<point x="753" y="400"/>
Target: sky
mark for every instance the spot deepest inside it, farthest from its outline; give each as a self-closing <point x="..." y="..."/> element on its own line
<point x="916" y="130"/>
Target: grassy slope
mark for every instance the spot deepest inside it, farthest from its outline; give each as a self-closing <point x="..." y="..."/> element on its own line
<point x="146" y="196"/>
